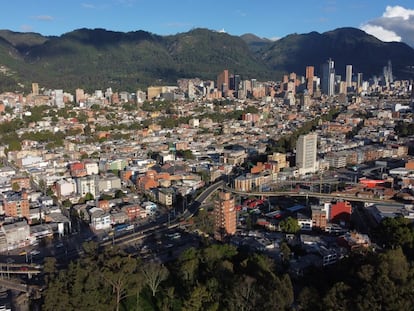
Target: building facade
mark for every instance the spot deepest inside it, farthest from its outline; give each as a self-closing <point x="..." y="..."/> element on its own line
<point x="225" y="216"/>
<point x="306" y="151"/>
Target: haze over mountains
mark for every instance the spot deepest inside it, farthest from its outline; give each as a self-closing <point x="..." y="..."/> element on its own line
<point x="98" y="58"/>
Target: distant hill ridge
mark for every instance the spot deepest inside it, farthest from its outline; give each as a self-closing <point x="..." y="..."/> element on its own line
<point x="99" y="58"/>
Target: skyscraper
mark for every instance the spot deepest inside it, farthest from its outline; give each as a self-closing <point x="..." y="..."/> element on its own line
<point x="224" y="216"/>
<point x="348" y="76"/>
<point x="223" y="82"/>
<point x="59" y="99"/>
<point x="35" y="89"/>
<point x="359" y="81"/>
<point x="388" y="77"/>
<point x="79" y="95"/>
<point x="328" y="78"/>
<point x="310" y="72"/>
<point x="306" y="150"/>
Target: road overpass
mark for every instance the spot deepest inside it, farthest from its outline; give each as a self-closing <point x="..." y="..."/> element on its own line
<point x="306" y="194"/>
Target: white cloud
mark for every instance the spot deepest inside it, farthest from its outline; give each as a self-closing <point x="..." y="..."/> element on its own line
<point x="398" y="11"/>
<point x="88" y="6"/>
<point x="395" y="24"/>
<point x="381" y="33"/>
<point x="45" y="18"/>
<point x="274" y="38"/>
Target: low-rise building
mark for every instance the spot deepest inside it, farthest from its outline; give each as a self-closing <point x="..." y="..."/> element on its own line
<point x="14" y="235"/>
<point x="99" y="219"/>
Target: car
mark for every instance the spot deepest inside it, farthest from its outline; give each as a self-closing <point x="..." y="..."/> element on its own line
<point x="59" y="245"/>
<point x="35" y="252"/>
<point x="22" y="253"/>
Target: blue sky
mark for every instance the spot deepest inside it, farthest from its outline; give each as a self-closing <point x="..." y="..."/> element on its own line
<point x="388" y="20"/>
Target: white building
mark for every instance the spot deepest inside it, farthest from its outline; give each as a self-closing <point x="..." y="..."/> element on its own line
<point x="99" y="219"/>
<point x="59" y="99"/>
<point x="87" y="184"/>
<point x="306" y="150"/>
<point x="194" y="122"/>
<point x="14" y="235"/>
<point x="109" y="182"/>
<point x="150" y="208"/>
<point x="7" y="171"/>
<point x="65" y="188"/>
<point x="91" y="168"/>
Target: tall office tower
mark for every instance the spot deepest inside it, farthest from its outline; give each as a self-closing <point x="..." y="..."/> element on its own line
<point x="254" y="83"/>
<point x="224" y="216"/>
<point x="306" y="150"/>
<point x="359" y="81"/>
<point x="223" y="81"/>
<point x="236" y="82"/>
<point x="390" y="76"/>
<point x="59" y="99"/>
<point x="328" y="78"/>
<point x="79" y="95"/>
<point x="35" y="89"/>
<point x="310" y="72"/>
<point x="348" y="76"/>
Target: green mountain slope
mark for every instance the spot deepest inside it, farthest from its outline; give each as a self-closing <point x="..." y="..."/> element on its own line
<point x="345" y="46"/>
<point x="98" y="58"/>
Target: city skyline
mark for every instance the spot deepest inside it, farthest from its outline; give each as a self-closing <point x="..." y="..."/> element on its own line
<point x="387" y="21"/>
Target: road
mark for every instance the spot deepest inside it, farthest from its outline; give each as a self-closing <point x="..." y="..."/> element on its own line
<point x="70" y="247"/>
<point x="307" y="194"/>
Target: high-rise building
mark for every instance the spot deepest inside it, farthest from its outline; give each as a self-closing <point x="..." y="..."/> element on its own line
<point x="235" y="83"/>
<point x="225" y="216"/>
<point x="348" y="76"/>
<point x="328" y="78"/>
<point x="35" y="89"/>
<point x="388" y="77"/>
<point x="359" y="81"/>
<point x="79" y="95"/>
<point x="59" y="99"/>
<point x="310" y="73"/>
<point x="306" y="150"/>
<point x="223" y="81"/>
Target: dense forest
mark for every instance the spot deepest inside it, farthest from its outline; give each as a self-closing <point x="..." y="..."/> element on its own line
<point x="223" y="277"/>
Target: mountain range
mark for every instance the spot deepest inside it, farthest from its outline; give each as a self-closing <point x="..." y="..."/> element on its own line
<point x="99" y="58"/>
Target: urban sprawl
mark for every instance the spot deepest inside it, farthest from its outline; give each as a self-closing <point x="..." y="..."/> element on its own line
<point x="320" y="156"/>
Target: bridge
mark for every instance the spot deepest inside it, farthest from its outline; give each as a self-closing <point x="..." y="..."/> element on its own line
<point x="7" y="269"/>
<point x="329" y="196"/>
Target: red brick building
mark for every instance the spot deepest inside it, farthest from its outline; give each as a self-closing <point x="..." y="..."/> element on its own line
<point x="225" y="216"/>
<point x="341" y="212"/>
<point x="16" y="204"/>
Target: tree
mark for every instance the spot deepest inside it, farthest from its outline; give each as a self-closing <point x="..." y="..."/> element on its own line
<point x="49" y="269"/>
<point x="15" y="186"/>
<point x="119" y="194"/>
<point x="245" y="295"/>
<point x="198" y="298"/>
<point x="14" y="145"/>
<point x="118" y="272"/>
<point x="285" y="251"/>
<point x="67" y="203"/>
<point x="42" y="186"/>
<point x="337" y="297"/>
<point x="289" y="225"/>
<point x="89" y="196"/>
<point x="395" y="232"/>
<point x="154" y="273"/>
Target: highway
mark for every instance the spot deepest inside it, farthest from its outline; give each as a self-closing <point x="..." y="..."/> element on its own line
<point x="329" y="196"/>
